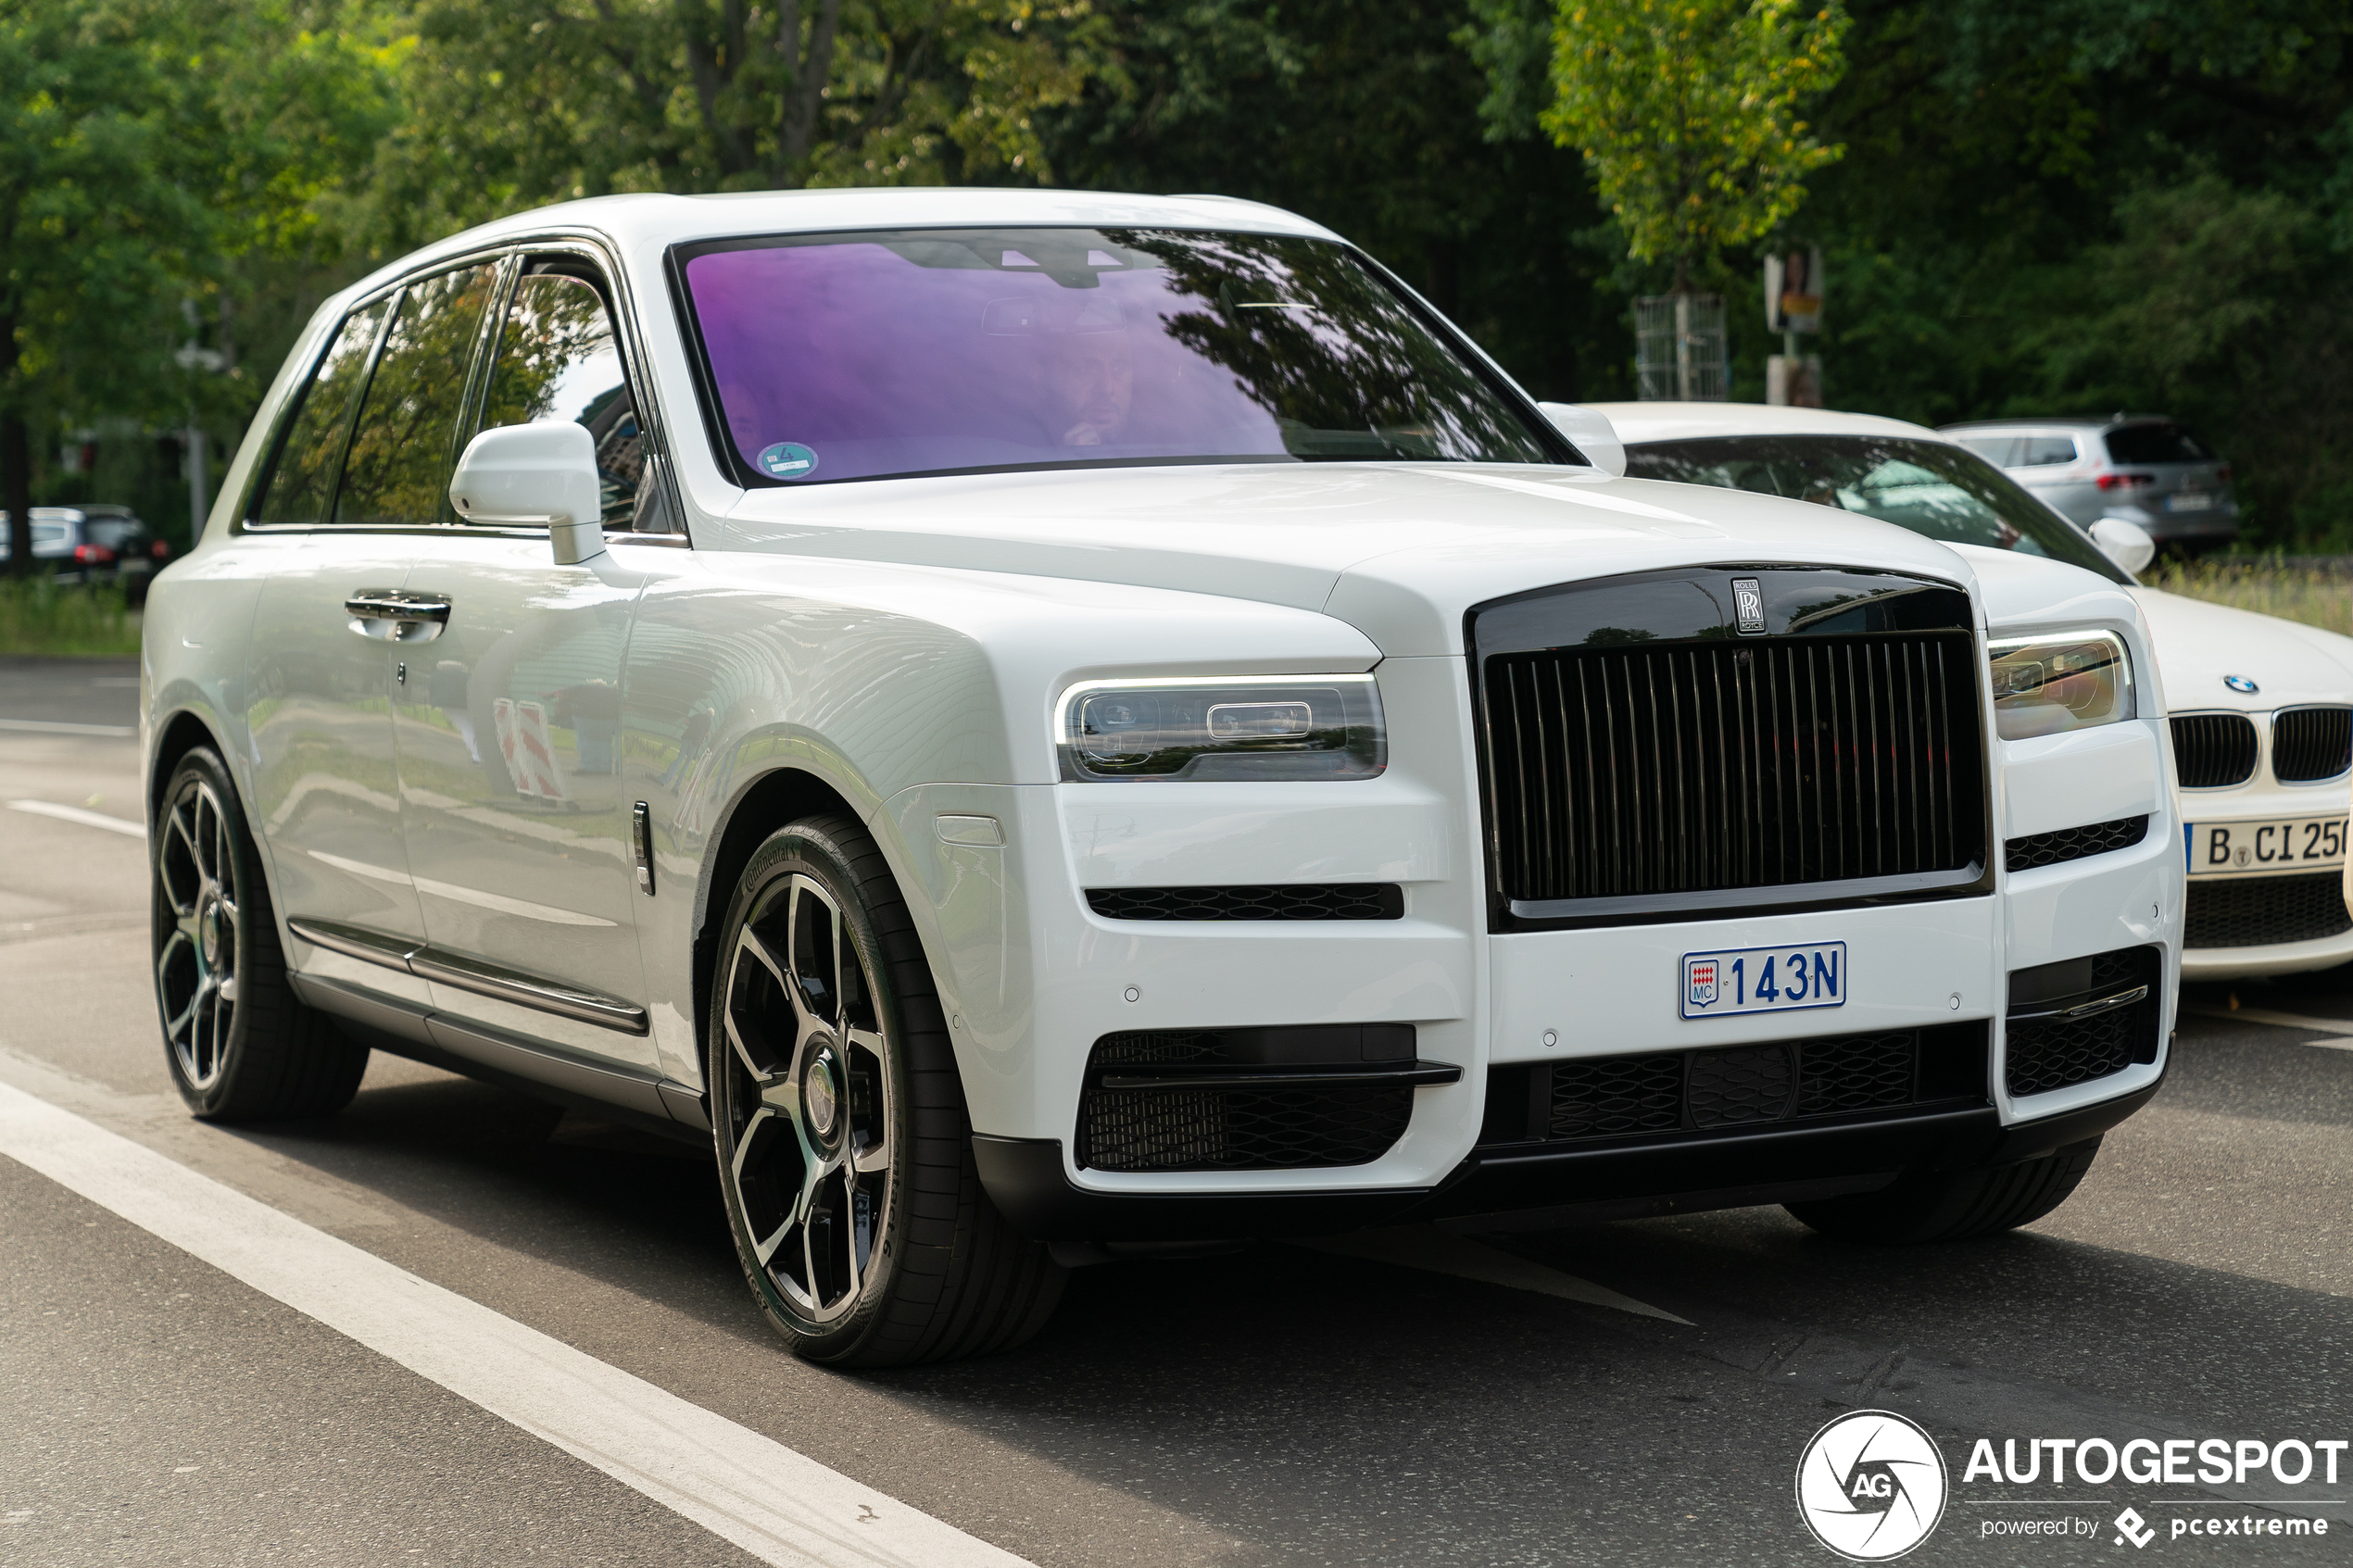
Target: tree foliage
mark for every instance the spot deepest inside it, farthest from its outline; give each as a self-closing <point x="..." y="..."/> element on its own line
<point x="1688" y="113"/>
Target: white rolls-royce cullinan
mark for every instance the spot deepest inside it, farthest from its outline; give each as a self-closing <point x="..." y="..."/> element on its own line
<point x="1047" y="725"/>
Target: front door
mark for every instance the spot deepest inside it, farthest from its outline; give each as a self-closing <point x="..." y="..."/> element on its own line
<point x="508" y="729"/>
<point x="318" y="695"/>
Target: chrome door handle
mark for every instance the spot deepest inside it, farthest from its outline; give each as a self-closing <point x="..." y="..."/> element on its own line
<point x="396" y="615"/>
<point x="393" y="604"/>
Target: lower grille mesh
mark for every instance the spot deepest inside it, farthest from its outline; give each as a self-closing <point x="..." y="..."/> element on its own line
<point x="1673" y="1092"/>
<point x="1168" y="1127"/>
<point x="2259" y="911"/>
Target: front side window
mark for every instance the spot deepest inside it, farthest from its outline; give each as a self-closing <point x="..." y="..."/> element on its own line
<point x="558" y="359"/>
<point x="302" y="484"/>
<point x="1927" y="486"/>
<point x="397" y="471"/>
<point x="907" y="352"/>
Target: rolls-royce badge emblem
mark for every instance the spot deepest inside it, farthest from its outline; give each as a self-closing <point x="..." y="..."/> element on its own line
<point x="1748" y="603"/>
<point x="2240" y="683"/>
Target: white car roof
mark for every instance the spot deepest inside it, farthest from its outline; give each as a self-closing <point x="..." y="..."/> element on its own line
<point x="634" y="222"/>
<point x="1638" y="422"/>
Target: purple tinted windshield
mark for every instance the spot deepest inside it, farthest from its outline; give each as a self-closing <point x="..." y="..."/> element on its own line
<point x="905" y="352"/>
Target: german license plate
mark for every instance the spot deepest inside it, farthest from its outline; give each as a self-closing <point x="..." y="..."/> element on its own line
<point x="2189" y="501"/>
<point x="1807" y="974"/>
<point x="2288" y="844"/>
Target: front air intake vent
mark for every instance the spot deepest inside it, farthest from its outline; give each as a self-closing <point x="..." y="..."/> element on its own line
<point x="1340" y="900"/>
<point x="2312" y="744"/>
<point x="2038" y="849"/>
<point x="2083" y="1019"/>
<point x="1283" y="1099"/>
<point x="2213" y="750"/>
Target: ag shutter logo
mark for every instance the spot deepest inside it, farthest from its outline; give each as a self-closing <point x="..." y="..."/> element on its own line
<point x="1872" y="1485"/>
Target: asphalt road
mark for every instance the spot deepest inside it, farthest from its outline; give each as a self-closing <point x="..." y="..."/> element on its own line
<point x="1284" y="1405"/>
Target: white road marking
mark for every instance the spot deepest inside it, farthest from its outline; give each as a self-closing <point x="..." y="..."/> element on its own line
<point x="76" y="814"/>
<point x="1427" y="1246"/>
<point x="2337" y="1026"/>
<point x="59" y="727"/>
<point x="781" y="1506"/>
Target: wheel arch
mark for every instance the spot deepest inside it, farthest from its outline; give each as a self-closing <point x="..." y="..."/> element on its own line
<point x="175" y="737"/>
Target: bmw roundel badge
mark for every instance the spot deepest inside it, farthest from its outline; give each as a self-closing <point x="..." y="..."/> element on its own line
<point x="2240" y="683"/>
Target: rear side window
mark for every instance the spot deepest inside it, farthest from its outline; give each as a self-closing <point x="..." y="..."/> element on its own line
<point x="398" y="472"/>
<point x="558" y="360"/>
<point x="2154" y="443"/>
<point x="2045" y="451"/>
<point x="302" y="484"/>
<point x="1998" y="450"/>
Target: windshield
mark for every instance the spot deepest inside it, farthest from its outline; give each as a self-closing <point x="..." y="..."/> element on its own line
<point x="861" y="356"/>
<point x="1927" y="486"/>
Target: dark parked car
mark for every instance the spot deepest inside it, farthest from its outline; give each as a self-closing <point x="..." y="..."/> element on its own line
<point x="97" y="543"/>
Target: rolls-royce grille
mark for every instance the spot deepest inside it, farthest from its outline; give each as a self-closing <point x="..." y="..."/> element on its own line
<point x="1625" y="772"/>
<point x="2312" y="744"/>
<point x="1669" y="1093"/>
<point x="2259" y="911"/>
<point x="2213" y="750"/>
<point x="2038" y="849"/>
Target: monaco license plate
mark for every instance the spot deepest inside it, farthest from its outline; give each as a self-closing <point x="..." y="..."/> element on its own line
<point x="2287" y="844"/>
<point x="2189" y="501"/>
<point x="1804" y="974"/>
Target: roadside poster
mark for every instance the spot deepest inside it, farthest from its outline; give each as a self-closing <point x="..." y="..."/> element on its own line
<point x="1794" y="289"/>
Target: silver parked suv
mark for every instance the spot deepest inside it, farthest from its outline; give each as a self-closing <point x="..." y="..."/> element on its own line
<point x="2144" y="468"/>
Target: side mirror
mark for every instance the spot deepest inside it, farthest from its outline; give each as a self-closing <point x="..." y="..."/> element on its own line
<point x="1592" y="434"/>
<point x="2126" y="544"/>
<point x="531" y="475"/>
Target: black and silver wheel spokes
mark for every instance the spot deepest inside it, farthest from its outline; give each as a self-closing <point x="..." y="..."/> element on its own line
<point x="196" y="930"/>
<point x="808" y="1101"/>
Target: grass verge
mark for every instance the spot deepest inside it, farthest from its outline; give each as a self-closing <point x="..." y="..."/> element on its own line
<point x="37" y="616"/>
<point x="2318" y="592"/>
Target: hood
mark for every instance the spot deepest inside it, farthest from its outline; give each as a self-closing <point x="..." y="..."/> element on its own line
<point x="1398" y="550"/>
<point x="2023" y="592"/>
<point x="2198" y="643"/>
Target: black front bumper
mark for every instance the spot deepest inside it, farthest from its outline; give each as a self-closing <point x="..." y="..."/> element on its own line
<point x="1505" y="1188"/>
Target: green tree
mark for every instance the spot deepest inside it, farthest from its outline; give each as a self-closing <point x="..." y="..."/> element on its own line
<point x="510" y="104"/>
<point x="1686" y="112"/>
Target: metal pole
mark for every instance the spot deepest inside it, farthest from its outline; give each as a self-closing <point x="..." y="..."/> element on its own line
<point x="1683" y="348"/>
<point x="197" y="483"/>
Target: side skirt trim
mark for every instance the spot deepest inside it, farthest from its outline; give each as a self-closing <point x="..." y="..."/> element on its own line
<point x="472" y="974"/>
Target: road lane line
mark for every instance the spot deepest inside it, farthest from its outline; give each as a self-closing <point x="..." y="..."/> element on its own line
<point x="59" y="727"/>
<point x="76" y="814"/>
<point x="779" y="1505"/>
<point x="2285" y="1021"/>
<point x="1426" y="1247"/>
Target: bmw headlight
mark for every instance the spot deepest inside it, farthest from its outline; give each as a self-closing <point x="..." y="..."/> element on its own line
<point x="2050" y="685"/>
<point x="1239" y="727"/>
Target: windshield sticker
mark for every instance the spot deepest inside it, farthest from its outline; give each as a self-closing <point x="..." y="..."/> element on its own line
<point x="787" y="460"/>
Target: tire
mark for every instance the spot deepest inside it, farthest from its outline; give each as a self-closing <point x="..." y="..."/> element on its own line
<point x="239" y="1045"/>
<point x="838" y="1122"/>
<point x="1950" y="1206"/>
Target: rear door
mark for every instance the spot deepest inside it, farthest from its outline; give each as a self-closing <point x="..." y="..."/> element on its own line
<point x="508" y="728"/>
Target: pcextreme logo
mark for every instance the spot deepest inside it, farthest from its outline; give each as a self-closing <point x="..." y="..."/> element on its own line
<point x="1872" y="1485"/>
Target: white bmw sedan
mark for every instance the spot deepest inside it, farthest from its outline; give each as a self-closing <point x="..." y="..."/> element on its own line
<point x="1044" y="724"/>
<point x="2262" y="708"/>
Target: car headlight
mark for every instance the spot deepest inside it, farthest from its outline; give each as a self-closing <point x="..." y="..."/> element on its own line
<point x="1239" y="727"/>
<point x="2050" y="685"/>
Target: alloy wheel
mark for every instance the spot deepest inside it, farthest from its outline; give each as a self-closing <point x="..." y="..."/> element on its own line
<point x="808" y="1111"/>
<point x="198" y="931"/>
